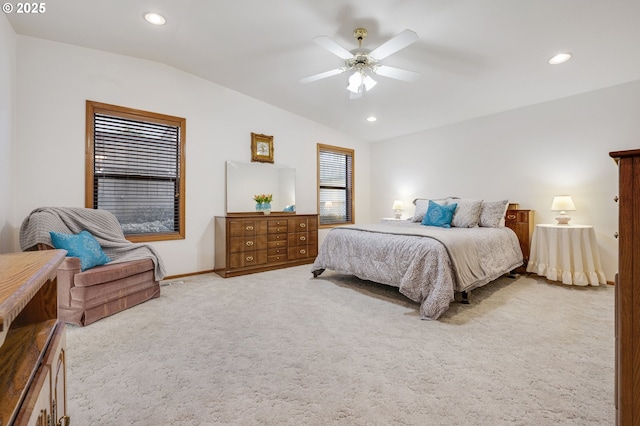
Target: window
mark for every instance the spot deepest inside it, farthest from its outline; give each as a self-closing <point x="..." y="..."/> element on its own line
<point x="335" y="185"/>
<point x="135" y="169"/>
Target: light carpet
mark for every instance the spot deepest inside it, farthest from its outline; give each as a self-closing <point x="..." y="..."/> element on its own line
<point x="283" y="348"/>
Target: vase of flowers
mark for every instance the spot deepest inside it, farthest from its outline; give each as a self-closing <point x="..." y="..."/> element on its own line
<point x="263" y="203"/>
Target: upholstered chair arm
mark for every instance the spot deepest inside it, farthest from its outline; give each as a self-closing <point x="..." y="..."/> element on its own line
<point x="66" y="273"/>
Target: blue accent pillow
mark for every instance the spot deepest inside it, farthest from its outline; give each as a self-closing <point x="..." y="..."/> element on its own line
<point x="438" y="215"/>
<point x="83" y="246"/>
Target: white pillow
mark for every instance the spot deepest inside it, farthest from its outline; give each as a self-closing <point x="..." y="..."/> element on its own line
<point x="467" y="213"/>
<point x="422" y="205"/>
<point x="492" y="214"/>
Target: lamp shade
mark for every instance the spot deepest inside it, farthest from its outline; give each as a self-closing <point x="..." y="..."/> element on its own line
<point x="562" y="203"/>
<point x="398" y="205"/>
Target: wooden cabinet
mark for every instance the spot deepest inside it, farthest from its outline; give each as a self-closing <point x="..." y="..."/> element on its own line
<point x="32" y="341"/>
<point x="521" y="221"/>
<point x="246" y="243"/>
<point x="627" y="290"/>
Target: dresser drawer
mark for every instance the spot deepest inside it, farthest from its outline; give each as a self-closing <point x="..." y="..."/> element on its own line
<point x="277" y="237"/>
<point x="277" y="255"/>
<point x="277" y="226"/>
<point x="300" y="238"/>
<point x="302" y="224"/>
<point x="519" y="216"/>
<point x="241" y="244"/>
<point x="248" y="258"/>
<point x="277" y="243"/>
<point x="277" y="251"/>
<point x="303" y="251"/>
<point x="238" y="228"/>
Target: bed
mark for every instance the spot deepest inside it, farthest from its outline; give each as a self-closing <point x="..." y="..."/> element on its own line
<point x="428" y="261"/>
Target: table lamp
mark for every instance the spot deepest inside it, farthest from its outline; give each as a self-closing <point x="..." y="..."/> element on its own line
<point x="563" y="203"/>
<point x="398" y="206"/>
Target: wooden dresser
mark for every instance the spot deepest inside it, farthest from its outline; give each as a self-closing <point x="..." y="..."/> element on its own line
<point x="250" y="242"/>
<point x="627" y="291"/>
<point x="521" y="221"/>
<point x="32" y="341"/>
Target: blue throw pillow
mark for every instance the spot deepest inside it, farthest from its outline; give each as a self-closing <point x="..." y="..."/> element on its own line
<point x="438" y="215"/>
<point x="83" y="246"/>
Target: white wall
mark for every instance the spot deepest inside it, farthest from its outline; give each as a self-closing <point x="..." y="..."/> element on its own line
<point x="527" y="155"/>
<point x="54" y="81"/>
<point x="7" y="134"/>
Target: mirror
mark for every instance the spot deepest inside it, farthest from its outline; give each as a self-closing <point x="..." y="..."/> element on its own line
<point x="244" y="180"/>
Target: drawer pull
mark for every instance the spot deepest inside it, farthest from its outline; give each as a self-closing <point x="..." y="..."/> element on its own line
<point x="249" y="228"/>
<point x="303" y="225"/>
<point x="303" y="238"/>
<point x="511" y="216"/>
<point x="277" y="237"/>
<point x="249" y="243"/>
<point x="249" y="258"/>
<point x="303" y="251"/>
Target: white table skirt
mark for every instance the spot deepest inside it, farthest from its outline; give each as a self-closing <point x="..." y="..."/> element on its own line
<point x="567" y="253"/>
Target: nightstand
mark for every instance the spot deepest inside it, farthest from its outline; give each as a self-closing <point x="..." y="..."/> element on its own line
<point x="566" y="253"/>
<point x="521" y="222"/>
<point x="392" y="221"/>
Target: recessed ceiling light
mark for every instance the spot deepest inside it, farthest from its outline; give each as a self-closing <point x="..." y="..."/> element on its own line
<point x="154" y="18"/>
<point x="560" y="58"/>
<point x="371" y="119"/>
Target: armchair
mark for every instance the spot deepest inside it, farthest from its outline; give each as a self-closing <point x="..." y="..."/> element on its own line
<point x="130" y="278"/>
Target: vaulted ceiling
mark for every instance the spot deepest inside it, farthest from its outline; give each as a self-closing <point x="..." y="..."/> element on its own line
<point x="475" y="57"/>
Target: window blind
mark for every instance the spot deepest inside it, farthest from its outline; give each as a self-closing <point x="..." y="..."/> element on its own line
<point x="336" y="186"/>
<point x="136" y="173"/>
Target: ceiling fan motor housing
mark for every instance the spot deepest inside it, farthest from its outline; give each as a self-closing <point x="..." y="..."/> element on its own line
<point x="360" y="34"/>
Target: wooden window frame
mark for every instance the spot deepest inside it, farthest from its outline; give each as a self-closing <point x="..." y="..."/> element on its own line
<point x="139" y="115"/>
<point x="351" y="192"/>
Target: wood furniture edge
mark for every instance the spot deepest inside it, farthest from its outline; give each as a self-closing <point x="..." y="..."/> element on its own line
<point x="31" y="335"/>
<point x="13" y="302"/>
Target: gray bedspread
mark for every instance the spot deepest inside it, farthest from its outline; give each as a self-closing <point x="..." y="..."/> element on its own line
<point x="427" y="264"/>
<point x="102" y="224"/>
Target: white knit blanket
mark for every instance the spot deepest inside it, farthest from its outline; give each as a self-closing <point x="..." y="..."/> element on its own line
<point x="103" y="225"/>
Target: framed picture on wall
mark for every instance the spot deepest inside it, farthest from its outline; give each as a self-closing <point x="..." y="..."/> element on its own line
<point x="261" y="148"/>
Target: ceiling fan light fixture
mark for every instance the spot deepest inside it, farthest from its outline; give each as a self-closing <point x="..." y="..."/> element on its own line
<point x="355" y="82"/>
<point x="360" y="82"/>
<point x="369" y="83"/>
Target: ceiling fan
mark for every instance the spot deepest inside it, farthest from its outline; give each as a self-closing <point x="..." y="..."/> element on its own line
<point x="364" y="62"/>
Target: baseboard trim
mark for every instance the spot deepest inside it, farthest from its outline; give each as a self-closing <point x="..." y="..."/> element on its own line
<point x="173" y="277"/>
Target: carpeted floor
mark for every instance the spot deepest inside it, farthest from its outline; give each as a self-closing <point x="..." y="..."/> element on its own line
<point x="283" y="348"/>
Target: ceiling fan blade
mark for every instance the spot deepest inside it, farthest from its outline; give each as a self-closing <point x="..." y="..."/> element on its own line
<point x="333" y="47"/>
<point x="402" y="40"/>
<point x="397" y="73"/>
<point x="322" y="75"/>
